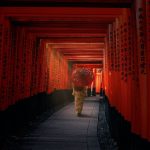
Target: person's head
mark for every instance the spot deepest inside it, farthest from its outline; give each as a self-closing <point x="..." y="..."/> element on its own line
<point x="77" y="88"/>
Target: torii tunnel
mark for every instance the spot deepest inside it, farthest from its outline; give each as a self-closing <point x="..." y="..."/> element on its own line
<point x="42" y="41"/>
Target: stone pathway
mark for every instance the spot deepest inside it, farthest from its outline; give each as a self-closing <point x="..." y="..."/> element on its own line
<point x="64" y="130"/>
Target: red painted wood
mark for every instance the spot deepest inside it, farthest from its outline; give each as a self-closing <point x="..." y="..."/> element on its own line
<point x="5" y="64"/>
<point x="148" y="58"/>
<point x="71" y="11"/>
<point x="34" y="55"/>
<point x="142" y="60"/>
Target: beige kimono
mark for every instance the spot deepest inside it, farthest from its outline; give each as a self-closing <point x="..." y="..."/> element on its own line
<point x="79" y="98"/>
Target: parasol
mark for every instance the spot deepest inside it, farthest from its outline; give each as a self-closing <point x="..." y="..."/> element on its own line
<point x="82" y="77"/>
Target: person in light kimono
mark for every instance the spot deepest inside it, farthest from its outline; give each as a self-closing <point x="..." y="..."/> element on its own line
<point x="79" y="94"/>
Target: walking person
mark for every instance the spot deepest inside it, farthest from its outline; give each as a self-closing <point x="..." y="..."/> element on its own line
<point x="81" y="79"/>
<point x="79" y="94"/>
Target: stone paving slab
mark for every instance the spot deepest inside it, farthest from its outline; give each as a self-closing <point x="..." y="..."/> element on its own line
<point x="55" y="146"/>
<point x="65" y="131"/>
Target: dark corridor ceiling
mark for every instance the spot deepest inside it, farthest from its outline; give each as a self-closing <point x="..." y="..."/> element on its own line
<point x="77" y="32"/>
<point x="68" y="3"/>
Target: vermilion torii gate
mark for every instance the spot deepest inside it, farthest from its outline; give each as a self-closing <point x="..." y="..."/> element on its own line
<point x="38" y="42"/>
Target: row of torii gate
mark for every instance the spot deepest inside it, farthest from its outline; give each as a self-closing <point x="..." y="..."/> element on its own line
<point x="39" y="45"/>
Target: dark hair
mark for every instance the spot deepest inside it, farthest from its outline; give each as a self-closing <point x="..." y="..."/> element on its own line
<point x="77" y="88"/>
